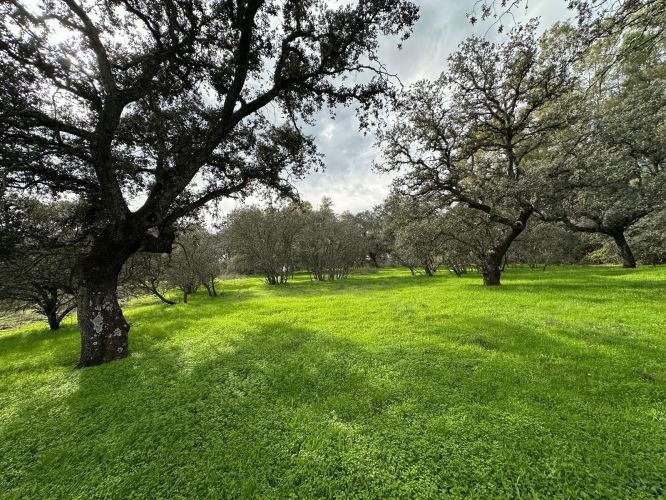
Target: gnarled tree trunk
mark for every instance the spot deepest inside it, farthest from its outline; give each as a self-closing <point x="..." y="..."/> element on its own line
<point x="104" y="331"/>
<point x="49" y="305"/>
<point x="53" y="319"/>
<point x="628" y="259"/>
<point x="495" y="260"/>
<point x="492" y="271"/>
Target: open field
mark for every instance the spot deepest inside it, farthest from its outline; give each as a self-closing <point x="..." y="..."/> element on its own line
<point x="381" y="385"/>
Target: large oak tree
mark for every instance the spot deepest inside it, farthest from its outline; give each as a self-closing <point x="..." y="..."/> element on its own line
<point x="148" y="110"/>
<point x="472" y="136"/>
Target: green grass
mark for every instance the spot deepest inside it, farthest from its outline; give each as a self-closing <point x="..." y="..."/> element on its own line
<point x="379" y="386"/>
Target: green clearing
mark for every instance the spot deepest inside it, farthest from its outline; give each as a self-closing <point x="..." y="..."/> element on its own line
<point x="382" y="385"/>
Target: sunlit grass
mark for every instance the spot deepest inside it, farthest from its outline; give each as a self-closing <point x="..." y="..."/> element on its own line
<point x="382" y="385"/>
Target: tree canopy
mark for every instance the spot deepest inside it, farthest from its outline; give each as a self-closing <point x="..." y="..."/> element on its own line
<point x="147" y="111"/>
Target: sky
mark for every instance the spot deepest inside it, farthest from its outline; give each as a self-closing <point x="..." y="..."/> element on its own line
<point x="348" y="178"/>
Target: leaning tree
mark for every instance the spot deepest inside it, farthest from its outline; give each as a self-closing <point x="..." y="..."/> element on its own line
<point x="146" y="273"/>
<point x="474" y="135"/>
<point x="148" y="110"/>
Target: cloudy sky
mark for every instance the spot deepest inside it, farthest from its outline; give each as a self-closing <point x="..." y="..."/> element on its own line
<point x="348" y="178"/>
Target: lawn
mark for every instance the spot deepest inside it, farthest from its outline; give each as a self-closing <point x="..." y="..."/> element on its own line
<point x="381" y="386"/>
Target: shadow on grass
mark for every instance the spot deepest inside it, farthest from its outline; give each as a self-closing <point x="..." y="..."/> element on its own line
<point x="284" y="410"/>
<point x="470" y="405"/>
<point x="565" y="283"/>
<point x="141" y="311"/>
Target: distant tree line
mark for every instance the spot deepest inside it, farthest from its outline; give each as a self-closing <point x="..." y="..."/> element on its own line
<point x="276" y="242"/>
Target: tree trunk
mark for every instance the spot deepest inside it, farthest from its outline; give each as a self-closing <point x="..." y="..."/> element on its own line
<point x="48" y="304"/>
<point x="104" y="331"/>
<point x="496" y="259"/>
<point x="628" y="259"/>
<point x="212" y="287"/>
<point x="492" y="272"/>
<point x="54" y="321"/>
<point x="185" y="294"/>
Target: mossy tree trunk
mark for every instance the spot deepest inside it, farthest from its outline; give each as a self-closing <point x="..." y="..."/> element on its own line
<point x="104" y="330"/>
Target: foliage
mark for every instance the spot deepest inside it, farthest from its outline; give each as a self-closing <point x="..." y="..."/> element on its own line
<point x="610" y="21"/>
<point x="415" y="234"/>
<point x="544" y="244"/>
<point x="147" y="273"/>
<point x="329" y="245"/>
<point x="35" y="274"/>
<point x="264" y="241"/>
<point x="370" y="223"/>
<point x="164" y="106"/>
<point x="608" y="171"/>
<point x="195" y="261"/>
<point x="471" y="136"/>
<point x="648" y="238"/>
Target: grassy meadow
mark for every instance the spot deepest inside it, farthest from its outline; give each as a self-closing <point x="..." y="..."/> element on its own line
<point x="379" y="386"/>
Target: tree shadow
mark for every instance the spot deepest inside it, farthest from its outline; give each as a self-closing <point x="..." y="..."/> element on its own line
<point x="285" y="410"/>
<point x="269" y="407"/>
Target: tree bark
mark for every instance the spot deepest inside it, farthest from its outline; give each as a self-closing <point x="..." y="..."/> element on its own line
<point x="628" y="259"/>
<point x="492" y="267"/>
<point x="104" y="331"/>
<point x="54" y="321"/>
<point x="492" y="272"/>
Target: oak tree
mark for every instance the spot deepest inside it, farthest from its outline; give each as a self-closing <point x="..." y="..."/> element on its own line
<point x="471" y="136"/>
<point x="148" y="110"/>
